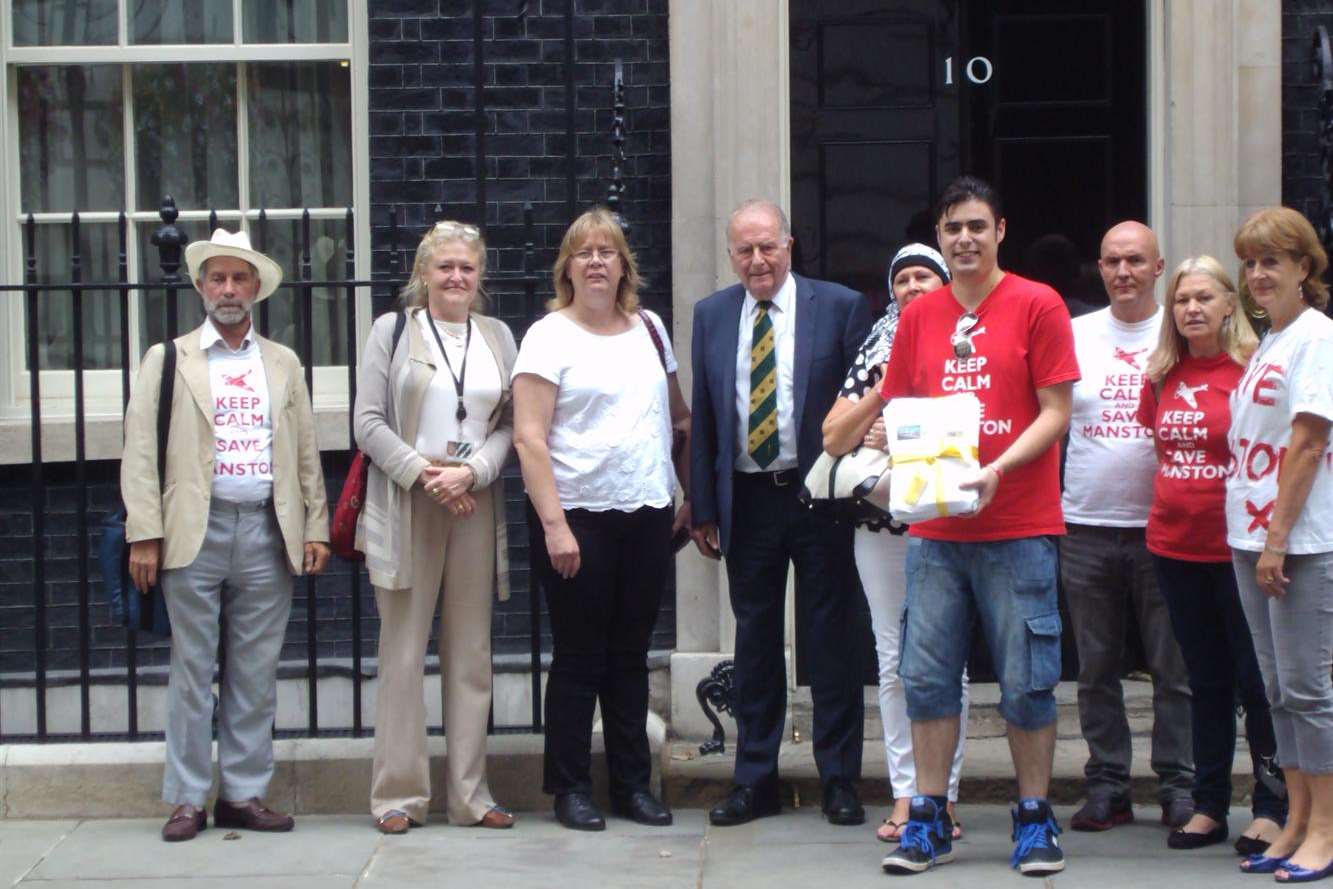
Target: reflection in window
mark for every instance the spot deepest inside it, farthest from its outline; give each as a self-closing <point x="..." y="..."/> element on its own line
<point x="71" y="154"/>
<point x="185" y="134"/>
<point x="300" y="118"/>
<point x="280" y="316"/>
<point x="328" y="257"/>
<point x="65" y="23"/>
<point x="180" y="21"/>
<point x="295" y="21"/>
<point x="99" y="255"/>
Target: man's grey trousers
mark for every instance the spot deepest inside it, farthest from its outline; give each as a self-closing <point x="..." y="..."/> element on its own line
<point x="240" y="575"/>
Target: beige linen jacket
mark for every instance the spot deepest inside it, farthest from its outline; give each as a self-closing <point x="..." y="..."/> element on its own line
<point x="179" y="514"/>
<point x="387" y="418"/>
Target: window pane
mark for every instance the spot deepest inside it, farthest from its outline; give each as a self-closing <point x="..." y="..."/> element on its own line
<point x="180" y="21"/>
<point x="153" y="314"/>
<point x="71" y="149"/>
<point x="100" y="256"/>
<point x="185" y="135"/>
<point x="66" y="23"/>
<point x="328" y="257"/>
<point x="300" y="134"/>
<point x="295" y="21"/>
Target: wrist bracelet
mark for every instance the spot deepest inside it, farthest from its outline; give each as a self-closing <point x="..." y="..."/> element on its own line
<point x="1277" y="550"/>
<point x="995" y="468"/>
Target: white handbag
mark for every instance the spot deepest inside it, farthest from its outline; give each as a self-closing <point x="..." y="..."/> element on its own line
<point x="859" y="476"/>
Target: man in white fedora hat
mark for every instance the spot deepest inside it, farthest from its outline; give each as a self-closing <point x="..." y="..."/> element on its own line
<point x="240" y="511"/>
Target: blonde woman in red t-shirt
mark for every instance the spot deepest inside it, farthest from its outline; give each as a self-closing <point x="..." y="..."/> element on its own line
<point x="1200" y="356"/>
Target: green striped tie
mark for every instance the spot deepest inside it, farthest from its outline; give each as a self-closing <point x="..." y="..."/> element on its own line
<point x="762" y="442"/>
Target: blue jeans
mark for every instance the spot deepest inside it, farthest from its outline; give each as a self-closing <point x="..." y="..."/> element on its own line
<point x="1010" y="585"/>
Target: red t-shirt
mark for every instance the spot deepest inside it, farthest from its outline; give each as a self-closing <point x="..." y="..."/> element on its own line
<point x="1022" y="342"/>
<point x="1188" y="520"/>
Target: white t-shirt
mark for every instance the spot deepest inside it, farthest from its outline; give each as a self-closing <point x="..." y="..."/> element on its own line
<point x="1110" y="464"/>
<point x="242" y="418"/>
<point x="610" y="436"/>
<point x="438" y="434"/>
<point x="1290" y="374"/>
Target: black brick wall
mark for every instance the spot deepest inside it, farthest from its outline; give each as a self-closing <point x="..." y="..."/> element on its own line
<point x="423" y="152"/>
<point x="1303" y="181"/>
<point x="424" y="145"/>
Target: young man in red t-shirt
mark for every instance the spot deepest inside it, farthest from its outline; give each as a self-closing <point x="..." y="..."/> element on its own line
<point x="1008" y="341"/>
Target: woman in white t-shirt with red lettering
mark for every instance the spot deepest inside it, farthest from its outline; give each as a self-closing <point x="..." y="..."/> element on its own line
<point x="595" y="401"/>
<point x="1280" y="521"/>
<point x="1201" y="353"/>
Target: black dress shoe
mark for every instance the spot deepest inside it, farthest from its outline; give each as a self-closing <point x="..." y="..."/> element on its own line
<point x="642" y="807"/>
<point x="1248" y="846"/>
<point x="1179" y="839"/>
<point x="841" y="805"/>
<point x="744" y="804"/>
<point x="578" y="812"/>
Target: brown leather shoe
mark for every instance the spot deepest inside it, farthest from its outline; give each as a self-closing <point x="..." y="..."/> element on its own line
<point x="251" y="815"/>
<point x="184" y="824"/>
<point x="497" y="818"/>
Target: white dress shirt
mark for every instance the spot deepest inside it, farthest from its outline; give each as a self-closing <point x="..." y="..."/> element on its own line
<point x="783" y="313"/>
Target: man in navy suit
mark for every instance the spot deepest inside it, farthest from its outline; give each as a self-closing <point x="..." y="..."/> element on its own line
<point x="769" y="355"/>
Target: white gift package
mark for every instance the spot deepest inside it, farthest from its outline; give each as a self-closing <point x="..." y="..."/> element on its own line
<point x="933" y="446"/>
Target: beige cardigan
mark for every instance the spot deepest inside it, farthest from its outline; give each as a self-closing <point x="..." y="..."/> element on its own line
<point x="178" y="511"/>
<point x="386" y="419"/>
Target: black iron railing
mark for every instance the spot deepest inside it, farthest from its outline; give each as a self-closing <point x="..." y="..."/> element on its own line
<point x="170" y="240"/>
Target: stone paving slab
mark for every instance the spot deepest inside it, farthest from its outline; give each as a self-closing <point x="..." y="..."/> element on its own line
<point x="797" y="848"/>
<point x="22" y="845"/>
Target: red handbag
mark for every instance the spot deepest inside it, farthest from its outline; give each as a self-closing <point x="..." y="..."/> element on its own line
<point x="342" y="533"/>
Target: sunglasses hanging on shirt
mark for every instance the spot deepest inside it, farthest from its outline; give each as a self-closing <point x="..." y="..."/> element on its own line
<point x="961" y="340"/>
<point x="462" y="368"/>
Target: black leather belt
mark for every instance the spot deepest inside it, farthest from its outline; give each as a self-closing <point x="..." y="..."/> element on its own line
<point x="780" y="479"/>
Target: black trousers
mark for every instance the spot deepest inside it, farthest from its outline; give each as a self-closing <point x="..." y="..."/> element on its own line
<point x="769" y="528"/>
<point x="602" y="623"/>
<point x="1219" y="656"/>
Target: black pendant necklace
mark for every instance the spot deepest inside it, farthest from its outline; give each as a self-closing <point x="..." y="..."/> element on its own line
<point x="459" y="377"/>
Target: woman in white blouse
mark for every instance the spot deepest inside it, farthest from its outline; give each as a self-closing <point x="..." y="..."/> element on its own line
<point x="433" y="414"/>
<point x="595" y="399"/>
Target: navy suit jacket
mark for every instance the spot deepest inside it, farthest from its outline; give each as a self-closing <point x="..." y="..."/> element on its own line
<point x="831" y="324"/>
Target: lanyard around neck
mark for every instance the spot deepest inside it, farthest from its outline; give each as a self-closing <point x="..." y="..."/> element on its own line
<point x="462" y="368"/>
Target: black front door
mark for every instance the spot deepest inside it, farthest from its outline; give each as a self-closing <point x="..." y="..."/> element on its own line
<point x="891" y="99"/>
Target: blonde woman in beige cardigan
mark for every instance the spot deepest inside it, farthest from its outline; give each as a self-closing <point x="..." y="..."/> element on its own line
<point x="433" y="414"/>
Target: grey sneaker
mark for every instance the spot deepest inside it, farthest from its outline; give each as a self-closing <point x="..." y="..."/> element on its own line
<point x="1103" y="812"/>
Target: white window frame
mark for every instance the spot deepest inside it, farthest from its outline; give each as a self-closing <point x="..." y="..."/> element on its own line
<point x="102" y="400"/>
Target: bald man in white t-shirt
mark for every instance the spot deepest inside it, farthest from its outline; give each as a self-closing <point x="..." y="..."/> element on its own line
<point x="1105" y="567"/>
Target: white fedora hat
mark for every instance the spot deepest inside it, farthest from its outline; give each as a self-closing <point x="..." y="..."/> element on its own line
<point x="224" y="243"/>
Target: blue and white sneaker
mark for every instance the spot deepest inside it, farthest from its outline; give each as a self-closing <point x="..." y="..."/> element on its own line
<point x="926" y="841"/>
<point x="1037" y="852"/>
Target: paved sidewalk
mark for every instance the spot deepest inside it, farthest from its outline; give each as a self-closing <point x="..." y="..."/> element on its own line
<point x="796" y="849"/>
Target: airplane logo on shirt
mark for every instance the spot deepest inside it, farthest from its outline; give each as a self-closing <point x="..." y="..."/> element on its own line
<point x="1129" y="357"/>
<point x="1187" y="393"/>
<point x="237" y="382"/>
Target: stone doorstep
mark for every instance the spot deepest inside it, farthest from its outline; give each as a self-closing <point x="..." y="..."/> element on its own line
<point x="332" y="775"/>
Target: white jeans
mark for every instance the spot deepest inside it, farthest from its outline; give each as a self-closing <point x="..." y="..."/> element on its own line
<point x="880" y="560"/>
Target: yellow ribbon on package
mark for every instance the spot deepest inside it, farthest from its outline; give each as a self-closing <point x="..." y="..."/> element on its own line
<point x="931" y="457"/>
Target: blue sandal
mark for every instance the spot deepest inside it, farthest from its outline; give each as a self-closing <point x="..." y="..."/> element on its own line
<point x="1297" y="874"/>
<point x="1261" y="864"/>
